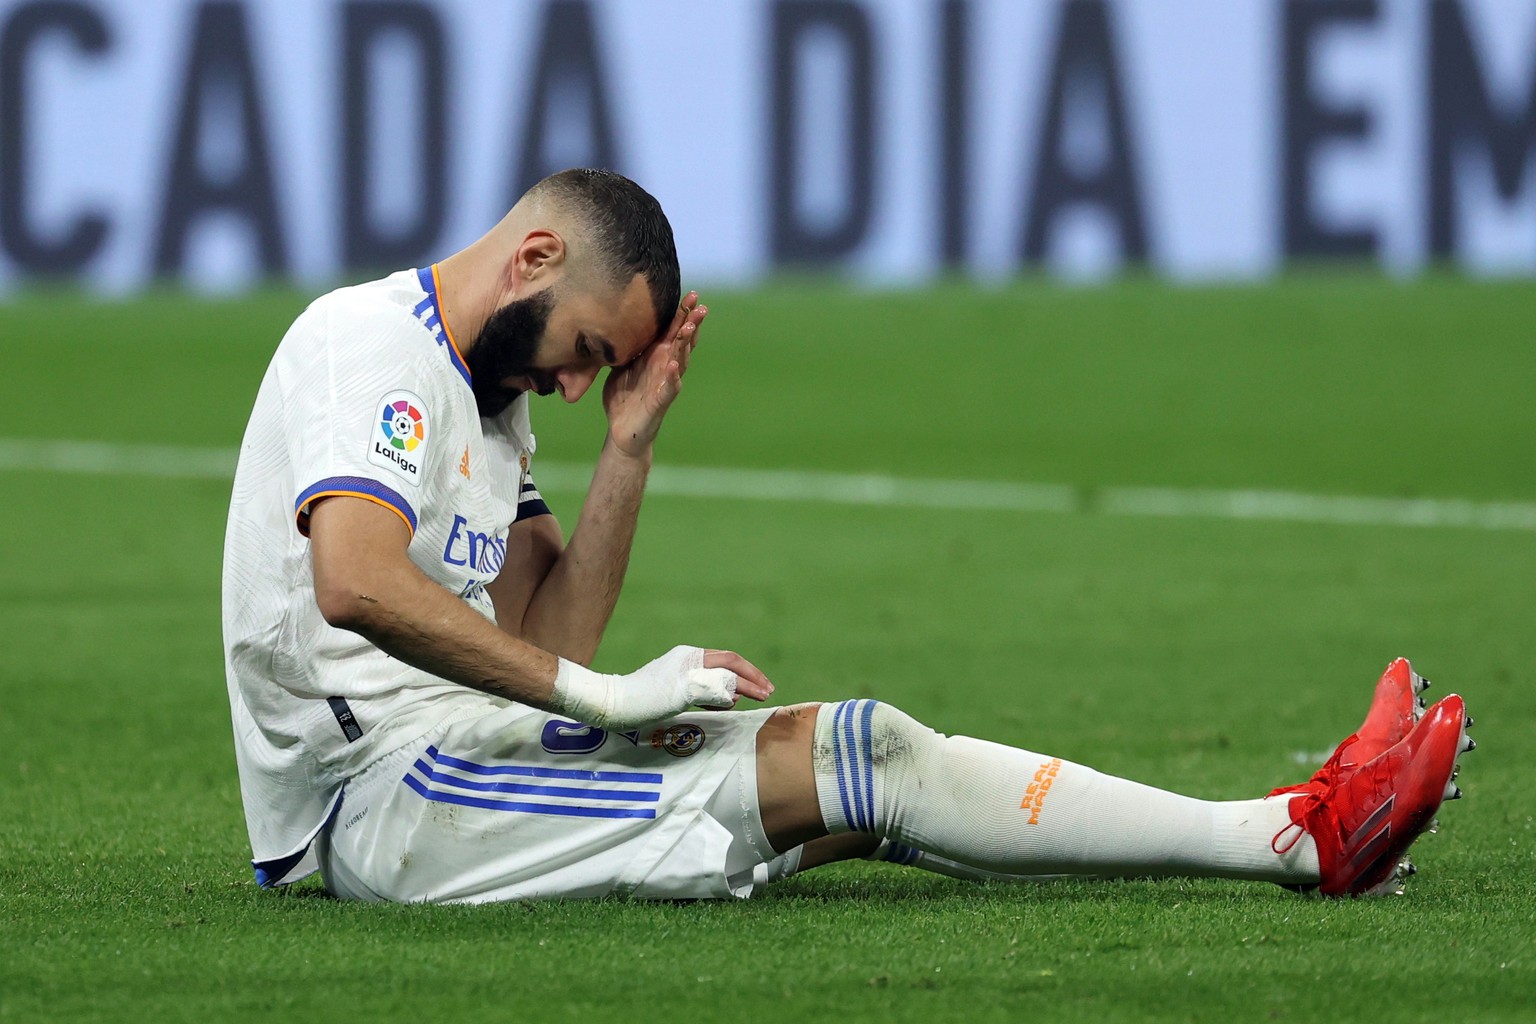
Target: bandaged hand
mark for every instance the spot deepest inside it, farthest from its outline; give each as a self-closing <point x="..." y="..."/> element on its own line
<point x="684" y="677"/>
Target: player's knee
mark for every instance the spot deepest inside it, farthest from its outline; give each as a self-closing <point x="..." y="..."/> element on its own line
<point x="870" y="731"/>
<point x="865" y="754"/>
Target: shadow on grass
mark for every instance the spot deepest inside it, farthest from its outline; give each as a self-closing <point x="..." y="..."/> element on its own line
<point x="876" y="886"/>
<point x="903" y="887"/>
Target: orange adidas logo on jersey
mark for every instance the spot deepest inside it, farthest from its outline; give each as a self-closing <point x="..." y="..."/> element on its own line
<point x="464" y="463"/>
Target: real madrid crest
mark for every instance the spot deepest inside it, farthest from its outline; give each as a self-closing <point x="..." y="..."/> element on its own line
<point x="679" y="740"/>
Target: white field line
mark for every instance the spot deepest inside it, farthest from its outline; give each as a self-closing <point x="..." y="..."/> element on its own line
<point x="1317" y="508"/>
<point x="171" y="461"/>
<point x="100" y="458"/>
<point x="831" y="488"/>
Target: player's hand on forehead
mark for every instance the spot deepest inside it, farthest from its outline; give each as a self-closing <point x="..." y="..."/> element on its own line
<point x="636" y="396"/>
<point x="688" y="312"/>
<point x="684" y="332"/>
<point x="675" y="348"/>
<point x="668" y="356"/>
<point x="677" y="340"/>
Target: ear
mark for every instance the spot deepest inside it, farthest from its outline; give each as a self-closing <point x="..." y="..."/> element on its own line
<point x="540" y="254"/>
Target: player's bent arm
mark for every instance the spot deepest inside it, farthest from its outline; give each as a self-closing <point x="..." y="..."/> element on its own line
<point x="573" y="600"/>
<point x="366" y="583"/>
<point x="533" y="546"/>
<point x="571" y="605"/>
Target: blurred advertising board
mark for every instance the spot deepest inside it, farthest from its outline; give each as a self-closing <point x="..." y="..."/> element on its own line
<point x="220" y="143"/>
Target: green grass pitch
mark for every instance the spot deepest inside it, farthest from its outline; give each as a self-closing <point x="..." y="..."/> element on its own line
<point x="1201" y="655"/>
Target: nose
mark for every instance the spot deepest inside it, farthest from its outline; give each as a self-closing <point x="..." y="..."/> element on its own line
<point x="574" y="383"/>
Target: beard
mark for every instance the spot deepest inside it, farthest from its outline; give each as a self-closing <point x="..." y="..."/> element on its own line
<point x="506" y="347"/>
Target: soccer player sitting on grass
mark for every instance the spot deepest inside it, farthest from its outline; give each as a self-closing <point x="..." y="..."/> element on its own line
<point x="406" y="635"/>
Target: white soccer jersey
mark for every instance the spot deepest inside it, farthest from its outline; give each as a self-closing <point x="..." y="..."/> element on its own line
<point x="367" y="396"/>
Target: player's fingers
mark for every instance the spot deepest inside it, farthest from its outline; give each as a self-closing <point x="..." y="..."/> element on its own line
<point x="685" y="351"/>
<point x="696" y="321"/>
<point x="698" y="326"/>
<point x="713" y="688"/>
<point x="667" y="389"/>
<point x="751" y="682"/>
<point x="688" y="334"/>
<point x="684" y="312"/>
<point x="679" y="342"/>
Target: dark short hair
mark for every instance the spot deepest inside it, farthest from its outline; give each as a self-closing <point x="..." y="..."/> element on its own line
<point x="628" y="228"/>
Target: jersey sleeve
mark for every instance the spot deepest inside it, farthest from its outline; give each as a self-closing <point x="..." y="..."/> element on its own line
<point x="361" y="409"/>
<point x="511" y="444"/>
<point x="530" y="502"/>
<point x="516" y="427"/>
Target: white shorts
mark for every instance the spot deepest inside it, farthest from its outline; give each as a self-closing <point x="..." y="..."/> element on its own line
<point x="513" y="805"/>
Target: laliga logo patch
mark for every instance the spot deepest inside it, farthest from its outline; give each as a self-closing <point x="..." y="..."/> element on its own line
<point x="403" y="425"/>
<point x="400" y="438"/>
<point x="679" y="740"/>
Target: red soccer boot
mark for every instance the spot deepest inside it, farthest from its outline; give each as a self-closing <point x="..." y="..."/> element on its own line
<point x="1364" y="818"/>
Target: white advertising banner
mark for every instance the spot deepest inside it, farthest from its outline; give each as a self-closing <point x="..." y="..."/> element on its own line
<point x="221" y="143"/>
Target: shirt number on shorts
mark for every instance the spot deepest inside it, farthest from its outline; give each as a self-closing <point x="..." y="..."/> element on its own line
<point x="572" y="737"/>
<point x="561" y="737"/>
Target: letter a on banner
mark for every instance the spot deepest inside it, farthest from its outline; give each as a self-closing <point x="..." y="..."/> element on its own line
<point x="219" y="59"/>
<point x="569" y="68"/>
<point x="1085" y="66"/>
<point x="367" y="244"/>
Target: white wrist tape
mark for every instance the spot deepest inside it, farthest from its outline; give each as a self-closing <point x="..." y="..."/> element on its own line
<point x="667" y="686"/>
<point x="584" y="695"/>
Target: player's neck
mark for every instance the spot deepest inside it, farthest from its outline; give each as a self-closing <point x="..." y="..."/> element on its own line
<point x="467" y="286"/>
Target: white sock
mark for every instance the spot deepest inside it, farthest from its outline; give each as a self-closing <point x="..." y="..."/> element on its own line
<point x="910" y="856"/>
<point x="1007" y="812"/>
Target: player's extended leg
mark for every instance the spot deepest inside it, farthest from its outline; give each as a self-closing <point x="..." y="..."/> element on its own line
<point x="1395" y="707"/>
<point x="862" y="766"/>
<point x="866" y="767"/>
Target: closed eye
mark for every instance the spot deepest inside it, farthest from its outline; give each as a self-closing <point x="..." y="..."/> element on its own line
<point x="586" y="351"/>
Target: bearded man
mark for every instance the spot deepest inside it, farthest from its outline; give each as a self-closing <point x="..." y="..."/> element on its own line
<point x="407" y="635"/>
